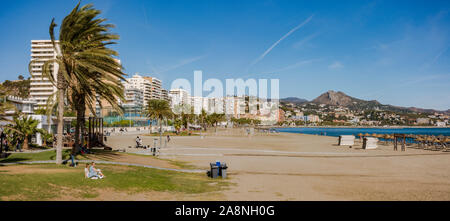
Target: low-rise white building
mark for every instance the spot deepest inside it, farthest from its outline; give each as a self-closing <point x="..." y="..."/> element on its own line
<point x="45" y="123"/>
<point x="22" y="105"/>
<point x="440" y="124"/>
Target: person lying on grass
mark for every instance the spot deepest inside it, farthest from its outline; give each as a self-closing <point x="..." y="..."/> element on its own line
<point x="93" y="173"/>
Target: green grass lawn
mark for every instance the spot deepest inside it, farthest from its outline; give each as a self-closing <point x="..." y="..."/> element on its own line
<point x="46" y="155"/>
<point x="51" y="155"/>
<point x="68" y="180"/>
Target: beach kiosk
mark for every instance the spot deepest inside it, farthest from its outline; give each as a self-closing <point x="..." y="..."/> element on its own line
<point x="346" y="140"/>
<point x="370" y="143"/>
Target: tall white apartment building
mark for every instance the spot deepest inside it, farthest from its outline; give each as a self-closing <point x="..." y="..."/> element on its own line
<point x="210" y="104"/>
<point x="40" y="87"/>
<point x="165" y="95"/>
<point x="134" y="102"/>
<point x="151" y="87"/>
<point x="229" y="105"/>
<point x="156" y="89"/>
<point x="139" y="82"/>
<point x="179" y="97"/>
<point x="199" y="104"/>
<point x="234" y="106"/>
<point x="214" y="105"/>
<point x="134" y="96"/>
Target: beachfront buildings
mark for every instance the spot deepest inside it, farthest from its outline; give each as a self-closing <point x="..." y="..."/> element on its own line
<point x="422" y="120"/>
<point x="151" y="87"/>
<point x="440" y="124"/>
<point x="40" y="87"/>
<point x="165" y="95"/>
<point x="198" y="104"/>
<point x="134" y="101"/>
<point x="231" y="106"/>
<point x="179" y="97"/>
<point x="141" y="83"/>
<point x="156" y="88"/>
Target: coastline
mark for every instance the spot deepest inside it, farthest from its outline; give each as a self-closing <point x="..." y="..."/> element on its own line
<point x="365" y="127"/>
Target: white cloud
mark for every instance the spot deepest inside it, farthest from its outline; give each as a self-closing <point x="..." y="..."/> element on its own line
<point x="336" y="65"/>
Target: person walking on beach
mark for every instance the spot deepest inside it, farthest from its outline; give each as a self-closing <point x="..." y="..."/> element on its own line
<point x="18" y="145"/>
<point x="5" y="144"/>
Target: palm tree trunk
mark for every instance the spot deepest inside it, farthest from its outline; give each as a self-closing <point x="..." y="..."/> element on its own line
<point x="81" y="108"/>
<point x="83" y="127"/>
<point x="160" y="133"/>
<point x="59" y="131"/>
<point x="45" y="140"/>
<point x="76" y="145"/>
<point x="25" y="143"/>
<point x="151" y="124"/>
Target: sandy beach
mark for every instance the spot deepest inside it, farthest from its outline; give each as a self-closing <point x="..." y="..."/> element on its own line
<point x="289" y="166"/>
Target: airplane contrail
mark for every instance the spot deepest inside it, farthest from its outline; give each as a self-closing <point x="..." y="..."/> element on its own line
<point x="182" y="63"/>
<point x="279" y="40"/>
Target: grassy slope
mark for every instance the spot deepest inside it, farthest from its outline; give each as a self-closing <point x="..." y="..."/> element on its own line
<point x="46" y="155"/>
<point x="45" y="186"/>
<point x="50" y="155"/>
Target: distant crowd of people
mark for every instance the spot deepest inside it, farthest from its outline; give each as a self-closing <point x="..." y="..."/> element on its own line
<point x="139" y="143"/>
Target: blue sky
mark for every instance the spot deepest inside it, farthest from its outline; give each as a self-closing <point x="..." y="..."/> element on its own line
<point x="397" y="52"/>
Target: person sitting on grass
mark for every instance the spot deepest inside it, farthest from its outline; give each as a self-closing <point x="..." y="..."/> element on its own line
<point x="94" y="173"/>
<point x="86" y="171"/>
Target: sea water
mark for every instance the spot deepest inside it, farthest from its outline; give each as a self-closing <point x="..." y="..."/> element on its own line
<point x="335" y="132"/>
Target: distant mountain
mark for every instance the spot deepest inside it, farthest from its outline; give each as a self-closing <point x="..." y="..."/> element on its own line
<point x="294" y="100"/>
<point x="341" y="99"/>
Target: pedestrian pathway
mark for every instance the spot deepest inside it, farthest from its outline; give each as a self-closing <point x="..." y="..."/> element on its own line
<point x="31" y="151"/>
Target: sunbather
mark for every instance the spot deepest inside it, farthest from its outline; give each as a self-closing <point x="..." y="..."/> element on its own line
<point x="86" y="171"/>
<point x="95" y="173"/>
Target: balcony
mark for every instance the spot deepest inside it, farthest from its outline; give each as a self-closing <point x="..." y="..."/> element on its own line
<point x="33" y="94"/>
<point x="41" y="84"/>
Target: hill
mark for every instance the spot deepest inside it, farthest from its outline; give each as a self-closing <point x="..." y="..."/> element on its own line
<point x="294" y="100"/>
<point x="341" y="99"/>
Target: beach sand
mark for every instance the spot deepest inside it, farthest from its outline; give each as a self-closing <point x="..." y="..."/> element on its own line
<point x="288" y="166"/>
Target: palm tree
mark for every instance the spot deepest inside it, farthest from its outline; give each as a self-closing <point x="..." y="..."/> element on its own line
<point x="203" y="115"/>
<point x="82" y="55"/>
<point x="85" y="96"/>
<point x="177" y="124"/>
<point x="46" y="137"/>
<point x="24" y="127"/>
<point x="214" y="119"/>
<point x="160" y="110"/>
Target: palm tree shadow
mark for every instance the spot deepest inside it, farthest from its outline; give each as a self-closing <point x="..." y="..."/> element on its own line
<point x="102" y="155"/>
<point x="13" y="160"/>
